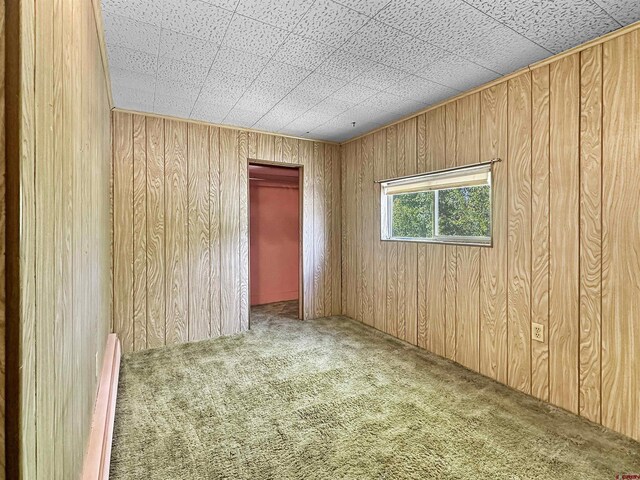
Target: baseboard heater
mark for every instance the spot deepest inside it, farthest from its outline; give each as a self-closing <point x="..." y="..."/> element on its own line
<point x="97" y="460"/>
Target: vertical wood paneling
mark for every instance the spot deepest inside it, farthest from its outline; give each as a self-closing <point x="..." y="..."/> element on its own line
<point x="391" y="325"/>
<point x="450" y="250"/>
<point x="590" y="230"/>
<point x="567" y="133"/>
<point x="468" y="258"/>
<point x="319" y="248"/>
<point x="306" y="159"/>
<point x="367" y="235"/>
<point x="540" y="229"/>
<point x="411" y="249"/>
<point x="176" y="238"/>
<point x="620" y="255"/>
<point x="379" y="247"/>
<point x="123" y="228"/>
<point x="564" y="187"/>
<point x="436" y="266"/>
<point x="336" y="235"/>
<point x="519" y="233"/>
<point x="214" y="231"/>
<point x="243" y="201"/>
<point x="156" y="318"/>
<point x="327" y="222"/>
<point x="493" y="261"/>
<point x="229" y="233"/>
<point x="139" y="233"/>
<point x="358" y="228"/>
<point x="198" y="232"/>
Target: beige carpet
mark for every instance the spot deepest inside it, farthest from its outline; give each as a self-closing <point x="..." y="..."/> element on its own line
<point x="332" y="399"/>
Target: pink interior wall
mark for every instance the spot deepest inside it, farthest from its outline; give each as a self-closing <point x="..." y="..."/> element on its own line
<point x="274" y="236"/>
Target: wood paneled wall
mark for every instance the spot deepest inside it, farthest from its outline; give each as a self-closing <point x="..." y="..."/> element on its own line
<point x="566" y="230"/>
<point x="181" y="227"/>
<point x="58" y="233"/>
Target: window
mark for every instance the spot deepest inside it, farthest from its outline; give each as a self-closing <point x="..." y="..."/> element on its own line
<point x="450" y="206"/>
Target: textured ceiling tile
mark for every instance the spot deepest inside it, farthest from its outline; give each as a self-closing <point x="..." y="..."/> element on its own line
<point x="353" y="92"/>
<point x="380" y="77"/>
<point x="455" y="72"/>
<point x="392" y="103"/>
<point x="624" y="11"/>
<point x="223" y="87"/>
<point x="196" y="18"/>
<point x="242" y="118"/>
<point x="376" y="41"/>
<point x="239" y="63"/>
<point x="302" y="52"/>
<point x="366" y="7"/>
<point x="132" y="60"/>
<point x="254" y="37"/>
<point x="310" y="120"/>
<point x="321" y="84"/>
<point x="133" y="34"/>
<point x="460" y="28"/>
<point x="149" y="11"/>
<point x="228" y="4"/>
<point x="330" y="23"/>
<point x="413" y="55"/>
<point x="344" y="65"/>
<point x="172" y="106"/>
<point x="332" y="106"/>
<point x="301" y="99"/>
<point x="128" y="79"/>
<point x="262" y="96"/>
<point x="126" y="96"/>
<point x="421" y="90"/>
<point x="177" y="89"/>
<point x="556" y="25"/>
<point x="282" y="74"/>
<point x="187" y="48"/>
<point x="209" y="111"/>
<point x="280" y="115"/>
<point x="280" y="13"/>
<point x="270" y="124"/>
<point x="176" y="71"/>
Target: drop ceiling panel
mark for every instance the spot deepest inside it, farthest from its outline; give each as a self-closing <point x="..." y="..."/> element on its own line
<point x="313" y="67"/>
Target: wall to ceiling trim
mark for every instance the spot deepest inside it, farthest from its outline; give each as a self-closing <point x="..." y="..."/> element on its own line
<point x="565" y="234"/>
<point x="58" y="233"/>
<point x="180" y="207"/>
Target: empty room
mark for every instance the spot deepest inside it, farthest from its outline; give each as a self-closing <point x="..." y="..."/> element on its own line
<point x="319" y="239"/>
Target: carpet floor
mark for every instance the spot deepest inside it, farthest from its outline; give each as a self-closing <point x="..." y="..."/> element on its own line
<point x="333" y="399"/>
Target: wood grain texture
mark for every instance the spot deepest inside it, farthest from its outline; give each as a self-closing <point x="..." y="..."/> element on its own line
<point x="328" y="230"/>
<point x="319" y="247"/>
<point x="123" y="228"/>
<point x="336" y="235"/>
<point x="3" y="317"/>
<point x="493" y="261"/>
<point x="229" y="233"/>
<point x="620" y="261"/>
<point x="176" y="235"/>
<point x="358" y="230"/>
<point x="139" y="233"/>
<point x="58" y="233"/>
<point x="198" y="232"/>
<point x="306" y="159"/>
<point x="468" y="258"/>
<point x="567" y="133"/>
<point x="519" y="233"/>
<point x="590" y="231"/>
<point x="436" y="267"/>
<point x="156" y="324"/>
<point x="540" y="229"/>
<point x="451" y="253"/>
<point x="214" y="231"/>
<point x="564" y="257"/>
<point x="367" y="232"/>
<point x="243" y="200"/>
<point x="379" y="248"/>
<point x="411" y="249"/>
<point x="392" y="296"/>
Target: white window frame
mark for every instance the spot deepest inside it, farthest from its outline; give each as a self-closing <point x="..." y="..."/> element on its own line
<point x="440" y="180"/>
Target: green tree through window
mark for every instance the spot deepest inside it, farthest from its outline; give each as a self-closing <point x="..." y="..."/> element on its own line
<point x="413" y="215"/>
<point x="465" y="212"/>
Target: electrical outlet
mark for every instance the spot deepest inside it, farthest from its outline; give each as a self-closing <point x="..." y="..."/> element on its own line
<point x="537" y="332"/>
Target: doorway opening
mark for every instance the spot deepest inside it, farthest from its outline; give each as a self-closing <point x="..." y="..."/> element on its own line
<point x="275" y="238"/>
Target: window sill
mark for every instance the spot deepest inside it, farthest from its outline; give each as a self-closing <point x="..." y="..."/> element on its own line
<point x="461" y="243"/>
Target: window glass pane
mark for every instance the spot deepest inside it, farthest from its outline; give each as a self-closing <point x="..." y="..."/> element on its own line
<point x="413" y="215"/>
<point x="465" y="212"/>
